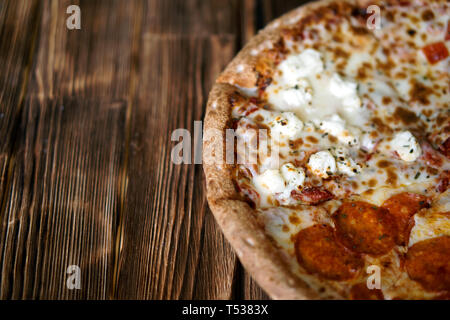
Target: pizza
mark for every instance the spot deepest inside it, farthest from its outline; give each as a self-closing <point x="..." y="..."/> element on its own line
<point x="326" y="152"/>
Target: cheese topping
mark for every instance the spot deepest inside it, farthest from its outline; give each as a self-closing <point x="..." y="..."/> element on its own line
<point x="345" y="90"/>
<point x="293" y="176"/>
<point x="303" y="65"/>
<point x="322" y="164"/>
<point x="270" y="181"/>
<point x="335" y="126"/>
<point x="280" y="183"/>
<point x="286" y="125"/>
<point x="342" y="107"/>
<point x="406" y="145"/>
<point x="429" y="225"/>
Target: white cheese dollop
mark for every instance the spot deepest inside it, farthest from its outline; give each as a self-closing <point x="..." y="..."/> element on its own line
<point x="280" y="183"/>
<point x="406" y="146"/>
<point x="270" y="181"/>
<point x="345" y="164"/>
<point x="335" y="126"/>
<point x="345" y="90"/>
<point x="368" y="143"/>
<point x="290" y="89"/>
<point x="293" y="176"/>
<point x="291" y="96"/>
<point x="322" y="164"/>
<point x="286" y="125"/>
<point x="303" y="65"/>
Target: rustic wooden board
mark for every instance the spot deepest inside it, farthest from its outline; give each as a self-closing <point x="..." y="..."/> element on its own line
<point x="16" y="19"/>
<point x="85" y="145"/>
<point x="62" y="200"/>
<point x="166" y="239"/>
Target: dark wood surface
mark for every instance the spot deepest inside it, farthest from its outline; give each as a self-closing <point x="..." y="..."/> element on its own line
<point x="86" y="118"/>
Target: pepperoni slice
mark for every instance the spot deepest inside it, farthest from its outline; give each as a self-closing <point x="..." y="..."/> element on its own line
<point x="435" y="52"/>
<point x="403" y="206"/>
<point x="428" y="262"/>
<point x="365" y="228"/>
<point x="312" y="195"/>
<point x="360" y="291"/>
<point x="318" y="252"/>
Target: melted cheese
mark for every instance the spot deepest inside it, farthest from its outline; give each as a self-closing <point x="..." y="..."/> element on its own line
<point x="362" y="101"/>
<point x="429" y="225"/>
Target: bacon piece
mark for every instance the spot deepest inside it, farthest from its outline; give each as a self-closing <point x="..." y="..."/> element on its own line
<point x="360" y="291"/>
<point x="443" y="183"/>
<point x="435" y="52"/>
<point x="428" y="262"/>
<point x="251" y="196"/>
<point x="445" y="148"/>
<point x="365" y="228"/>
<point x="447" y="36"/>
<point x="312" y="195"/>
<point x="430" y="156"/>
<point x="402" y="207"/>
<point x="250" y="109"/>
<point x="318" y="252"/>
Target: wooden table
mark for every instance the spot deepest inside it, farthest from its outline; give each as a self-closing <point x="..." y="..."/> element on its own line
<point x="86" y="118"/>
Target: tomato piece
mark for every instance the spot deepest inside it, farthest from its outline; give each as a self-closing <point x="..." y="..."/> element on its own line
<point x="435" y="52"/>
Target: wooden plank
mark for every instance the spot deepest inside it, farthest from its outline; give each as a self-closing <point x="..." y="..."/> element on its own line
<point x="63" y="198"/>
<point x="170" y="246"/>
<point x="92" y="61"/>
<point x="272" y="9"/>
<point x="193" y="17"/>
<point x="18" y="30"/>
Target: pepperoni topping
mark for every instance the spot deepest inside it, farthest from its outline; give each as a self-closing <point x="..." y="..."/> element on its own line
<point x="360" y="291"/>
<point x="318" y="252"/>
<point x="435" y="52"/>
<point x="365" y="228"/>
<point x="312" y="195"/>
<point x="428" y="262"/>
<point x="403" y="206"/>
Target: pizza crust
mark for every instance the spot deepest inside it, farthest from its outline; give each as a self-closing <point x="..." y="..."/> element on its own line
<point x="258" y="253"/>
<point x="237" y="219"/>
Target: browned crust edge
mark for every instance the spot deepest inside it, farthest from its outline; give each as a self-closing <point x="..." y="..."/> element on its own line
<point x="255" y="249"/>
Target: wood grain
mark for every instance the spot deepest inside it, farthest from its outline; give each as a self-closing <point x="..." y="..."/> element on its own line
<point x="63" y="199"/>
<point x="164" y="216"/>
<point x="86" y="176"/>
<point x="63" y="196"/>
<point x="17" y="18"/>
